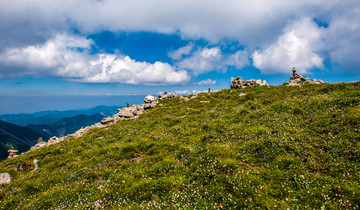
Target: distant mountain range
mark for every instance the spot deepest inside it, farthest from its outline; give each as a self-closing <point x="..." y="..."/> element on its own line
<point x="16" y="137"/>
<point x="48" y="117"/>
<point x="21" y="131"/>
<point x="67" y="125"/>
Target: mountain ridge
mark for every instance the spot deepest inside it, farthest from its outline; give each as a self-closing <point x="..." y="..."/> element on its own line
<point x="51" y="116"/>
<point x="16" y="137"/>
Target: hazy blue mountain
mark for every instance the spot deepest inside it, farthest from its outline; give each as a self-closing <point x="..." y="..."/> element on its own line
<point x="16" y="137"/>
<point x="51" y="116"/>
<point x="67" y="125"/>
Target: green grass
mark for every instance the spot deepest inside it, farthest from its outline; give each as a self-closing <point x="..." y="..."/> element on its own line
<point x="274" y="148"/>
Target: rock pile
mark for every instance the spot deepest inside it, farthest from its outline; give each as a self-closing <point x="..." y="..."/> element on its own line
<point x="128" y="112"/>
<point x="239" y="83"/>
<point x="297" y="79"/>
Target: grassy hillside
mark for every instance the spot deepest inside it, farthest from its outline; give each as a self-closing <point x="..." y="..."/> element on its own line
<point x="278" y="147"/>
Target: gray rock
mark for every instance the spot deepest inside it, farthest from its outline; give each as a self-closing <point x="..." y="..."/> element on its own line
<point x="149" y="99"/>
<point x="107" y="121"/>
<point x="35" y="164"/>
<point x="5" y="178"/>
<point x="237" y="83"/>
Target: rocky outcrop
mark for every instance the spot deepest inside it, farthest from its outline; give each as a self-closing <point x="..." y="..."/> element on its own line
<point x="297" y="79"/>
<point x="239" y="83"/>
<point x="5" y="178"/>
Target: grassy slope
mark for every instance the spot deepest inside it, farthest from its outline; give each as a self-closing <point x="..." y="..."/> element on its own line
<point x="274" y="147"/>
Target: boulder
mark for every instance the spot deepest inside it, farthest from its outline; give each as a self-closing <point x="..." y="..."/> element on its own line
<point x="315" y="81"/>
<point x="107" y="120"/>
<point x="237" y="83"/>
<point x="149" y="99"/>
<point x="53" y="140"/>
<point x="5" y="178"/>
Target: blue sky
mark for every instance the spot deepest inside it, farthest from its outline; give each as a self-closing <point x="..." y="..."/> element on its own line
<point x="88" y="47"/>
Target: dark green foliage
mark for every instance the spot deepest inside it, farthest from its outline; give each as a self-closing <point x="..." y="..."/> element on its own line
<point x="16" y="137"/>
<point x="273" y="148"/>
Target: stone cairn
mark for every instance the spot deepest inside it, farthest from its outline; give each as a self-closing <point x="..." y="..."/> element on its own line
<point x="239" y="83"/>
<point x="128" y="112"/>
<point x="12" y="153"/>
<point x="297" y="79"/>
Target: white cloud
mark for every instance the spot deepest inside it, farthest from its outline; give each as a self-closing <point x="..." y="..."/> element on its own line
<point x="210" y="59"/>
<point x="297" y="46"/>
<point x="182" y="51"/>
<point x="68" y="57"/>
<point x="241" y="20"/>
<point x="207" y="82"/>
<point x="343" y="39"/>
<point x="257" y="24"/>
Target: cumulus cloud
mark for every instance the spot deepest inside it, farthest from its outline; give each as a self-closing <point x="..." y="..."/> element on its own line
<point x="207" y="82"/>
<point x="268" y="26"/>
<point x="343" y="38"/>
<point x="297" y="46"/>
<point x="68" y="57"/>
<point x="210" y="59"/>
<point x="241" y="20"/>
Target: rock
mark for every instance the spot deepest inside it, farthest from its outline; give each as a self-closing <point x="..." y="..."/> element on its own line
<point x="315" y="81"/>
<point x="53" y="140"/>
<point x="149" y="106"/>
<point x="35" y="164"/>
<point x="149" y="99"/>
<point x="166" y="95"/>
<point x="12" y="153"/>
<point x="38" y="145"/>
<point x="242" y="94"/>
<point x="5" y="178"/>
<point x="107" y="121"/>
<point x="140" y="107"/>
<point x="185" y="98"/>
<point x="237" y="83"/>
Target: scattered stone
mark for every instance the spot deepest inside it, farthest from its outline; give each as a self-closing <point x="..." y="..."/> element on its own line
<point x="5" y="178"/>
<point x="204" y="101"/>
<point x="242" y="94"/>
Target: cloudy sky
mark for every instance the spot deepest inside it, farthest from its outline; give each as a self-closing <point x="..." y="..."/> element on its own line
<point x="121" y="47"/>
